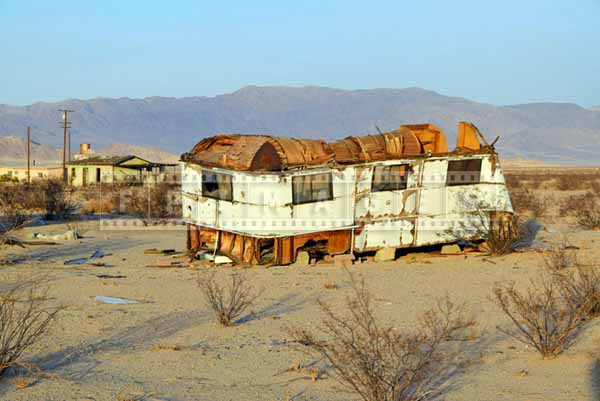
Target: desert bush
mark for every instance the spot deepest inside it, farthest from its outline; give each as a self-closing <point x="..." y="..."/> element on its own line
<point x="525" y="200"/>
<point x="25" y="317"/>
<point x="227" y="301"/>
<point x="13" y="211"/>
<point x="560" y="256"/>
<point x="502" y="232"/>
<point x="97" y="205"/>
<point x="546" y="316"/>
<point x="570" y="205"/>
<point x="587" y="214"/>
<point x="575" y="181"/>
<point x="378" y="362"/>
<point x="54" y="199"/>
<point x="580" y="287"/>
<point x="151" y="202"/>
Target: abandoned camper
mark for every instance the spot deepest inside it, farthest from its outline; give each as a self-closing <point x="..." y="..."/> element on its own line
<point x="260" y="199"/>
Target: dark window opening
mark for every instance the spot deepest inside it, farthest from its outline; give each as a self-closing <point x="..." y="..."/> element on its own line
<point x="463" y="172"/>
<point x="98" y="174"/>
<point x="217" y="186"/>
<point x="312" y="188"/>
<point x="390" y="178"/>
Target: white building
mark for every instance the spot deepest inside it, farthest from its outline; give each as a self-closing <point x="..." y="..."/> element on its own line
<point x="259" y="199"/>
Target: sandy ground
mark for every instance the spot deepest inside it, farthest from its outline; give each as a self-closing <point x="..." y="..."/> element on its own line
<point x="105" y="352"/>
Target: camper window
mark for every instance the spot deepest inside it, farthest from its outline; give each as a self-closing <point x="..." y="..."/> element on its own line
<point x="217" y="186"/>
<point x="312" y="188"/>
<point x="389" y="178"/>
<point x="463" y="172"/>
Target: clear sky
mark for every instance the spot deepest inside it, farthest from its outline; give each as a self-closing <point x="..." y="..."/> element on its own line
<point x="501" y="52"/>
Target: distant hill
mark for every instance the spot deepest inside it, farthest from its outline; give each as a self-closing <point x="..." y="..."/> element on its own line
<point x="595" y="108"/>
<point x="551" y="132"/>
<point x="153" y="154"/>
<point x="13" y="152"/>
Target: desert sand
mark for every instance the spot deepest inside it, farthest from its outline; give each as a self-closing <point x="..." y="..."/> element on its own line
<point x="168" y="347"/>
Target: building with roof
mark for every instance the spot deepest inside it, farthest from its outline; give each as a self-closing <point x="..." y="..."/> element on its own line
<point x="19" y="173"/>
<point x="261" y="199"/>
<point x="129" y="169"/>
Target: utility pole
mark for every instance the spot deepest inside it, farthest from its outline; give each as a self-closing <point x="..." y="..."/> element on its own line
<point x="69" y="145"/>
<point x="29" y="155"/>
<point x="65" y="124"/>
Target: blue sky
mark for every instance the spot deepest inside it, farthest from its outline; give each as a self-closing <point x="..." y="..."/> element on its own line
<point x="501" y="52"/>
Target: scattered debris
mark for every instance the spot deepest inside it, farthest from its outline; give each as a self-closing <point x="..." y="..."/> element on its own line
<point x="221" y="259"/>
<point x="166" y="348"/>
<point x="115" y="301"/>
<point x="168" y="263"/>
<point x="331" y="286"/>
<point x="154" y="251"/>
<point x="109" y="276"/>
<point x="79" y="261"/>
<point x="68" y="235"/>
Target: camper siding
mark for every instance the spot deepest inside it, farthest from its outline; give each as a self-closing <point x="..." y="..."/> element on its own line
<point x="419" y="215"/>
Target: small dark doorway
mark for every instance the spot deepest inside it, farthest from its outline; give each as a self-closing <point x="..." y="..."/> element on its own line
<point x="98" y="175"/>
<point x="84" y="177"/>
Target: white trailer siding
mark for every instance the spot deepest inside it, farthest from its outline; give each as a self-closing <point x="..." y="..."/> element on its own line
<point x="422" y="214"/>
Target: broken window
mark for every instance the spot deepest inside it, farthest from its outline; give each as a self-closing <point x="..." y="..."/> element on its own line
<point x="312" y="188"/>
<point x="217" y="186"/>
<point x="463" y="172"/>
<point x="390" y="178"/>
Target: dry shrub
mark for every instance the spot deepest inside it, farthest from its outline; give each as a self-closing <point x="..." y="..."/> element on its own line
<point x="381" y="363"/>
<point x="553" y="310"/>
<point x="575" y="181"/>
<point x="570" y="205"/>
<point x="527" y="201"/>
<point x="227" y="301"/>
<point x="54" y="199"/>
<point x="585" y="208"/>
<point x="13" y="214"/>
<point x="560" y="256"/>
<point x="151" y="202"/>
<point x="502" y="233"/>
<point x="25" y="317"/>
<point x="588" y="213"/>
<point x="580" y="287"/>
<point x="98" y="205"/>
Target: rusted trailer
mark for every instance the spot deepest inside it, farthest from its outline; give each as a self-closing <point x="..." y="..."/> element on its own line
<point x="259" y="199"/>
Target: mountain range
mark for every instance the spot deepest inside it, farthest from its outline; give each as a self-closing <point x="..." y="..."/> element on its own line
<point x="553" y="132"/>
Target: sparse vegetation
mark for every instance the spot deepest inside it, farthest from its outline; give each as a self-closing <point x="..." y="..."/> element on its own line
<point x="381" y="363"/>
<point x="13" y="214"/>
<point x="227" y="301"/>
<point x="153" y="202"/>
<point x="525" y="200"/>
<point x="587" y="214"/>
<point x="25" y="317"/>
<point x="560" y="256"/>
<point x="54" y="199"/>
<point x="552" y="311"/>
<point x="581" y="288"/>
